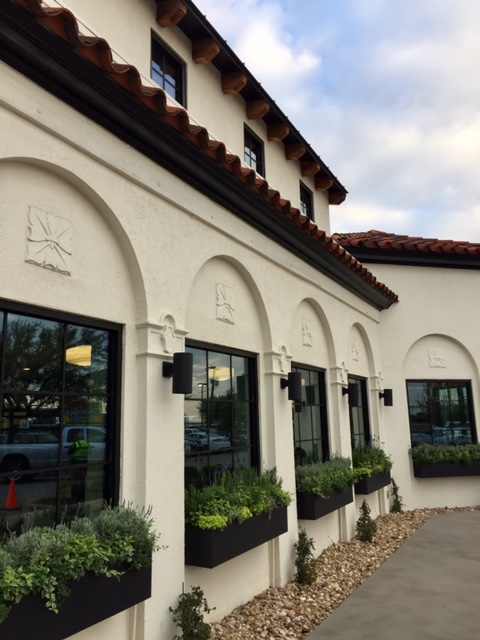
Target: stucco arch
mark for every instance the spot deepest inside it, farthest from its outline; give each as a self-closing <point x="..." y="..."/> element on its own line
<point x="225" y="306"/>
<point x="439" y="356"/>
<point x="360" y="358"/>
<point x="310" y="336"/>
<point x="57" y="191"/>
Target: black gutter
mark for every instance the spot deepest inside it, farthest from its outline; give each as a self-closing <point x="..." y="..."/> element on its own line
<point x="46" y="59"/>
<point x="415" y="258"/>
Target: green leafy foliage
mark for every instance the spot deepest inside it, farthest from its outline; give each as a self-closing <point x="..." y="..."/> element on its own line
<point x="397" y="502"/>
<point x="43" y="560"/>
<point x="305" y="564"/>
<point x="459" y="453"/>
<point x="370" y="460"/>
<point x="366" y="527"/>
<point x="188" y="616"/>
<point x="236" y="494"/>
<point x="323" y="478"/>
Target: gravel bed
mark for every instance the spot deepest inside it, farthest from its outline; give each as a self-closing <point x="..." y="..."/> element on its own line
<point x="293" y="611"/>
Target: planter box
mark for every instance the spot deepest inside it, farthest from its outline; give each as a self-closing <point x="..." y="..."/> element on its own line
<point x="209" y="548"/>
<point x="447" y="470"/>
<point x="373" y="483"/>
<point x="312" y="507"/>
<point x="92" y="599"/>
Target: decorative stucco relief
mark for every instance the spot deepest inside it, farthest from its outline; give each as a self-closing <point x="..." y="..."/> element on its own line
<point x="49" y="241"/>
<point x="307" y="336"/>
<point x="355" y="351"/>
<point x="168" y="335"/>
<point x="225" y="305"/>
<point x="376" y="382"/>
<point x="339" y="374"/>
<point x="282" y="359"/>
<point x="436" y="359"/>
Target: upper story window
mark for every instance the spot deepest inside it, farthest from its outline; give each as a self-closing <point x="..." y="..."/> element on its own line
<point x="310" y="428"/>
<point x="221" y="423"/>
<point x="306" y="201"/>
<point x="254" y="152"/>
<point x="440" y="412"/>
<point x="168" y="72"/>
<point x="59" y="410"/>
<point x="359" y="421"/>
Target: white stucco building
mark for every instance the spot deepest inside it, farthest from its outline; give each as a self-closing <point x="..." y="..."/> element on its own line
<point x="155" y="200"/>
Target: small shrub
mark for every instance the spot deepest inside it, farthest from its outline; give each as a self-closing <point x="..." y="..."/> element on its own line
<point x="366" y="526"/>
<point x="304" y="559"/>
<point x="397" y="502"/>
<point x="188" y="616"/>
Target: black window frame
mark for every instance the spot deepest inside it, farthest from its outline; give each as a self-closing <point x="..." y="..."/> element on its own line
<point x="306" y="201"/>
<point x="253" y="146"/>
<point x="205" y="453"/>
<point x="361" y="438"/>
<point x="162" y="55"/>
<point x="112" y="462"/>
<point x="428" y="425"/>
<point x="302" y="455"/>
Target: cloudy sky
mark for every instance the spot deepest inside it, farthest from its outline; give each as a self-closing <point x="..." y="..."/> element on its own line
<point x="386" y="92"/>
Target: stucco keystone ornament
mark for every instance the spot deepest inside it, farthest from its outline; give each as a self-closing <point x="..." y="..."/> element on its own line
<point x="169" y="334"/>
<point x="49" y="241"/>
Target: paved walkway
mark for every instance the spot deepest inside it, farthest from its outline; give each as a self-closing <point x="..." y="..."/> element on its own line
<point x="428" y="590"/>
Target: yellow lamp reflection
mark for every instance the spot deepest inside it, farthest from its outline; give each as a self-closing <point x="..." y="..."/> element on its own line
<point x="220" y="374"/>
<point x="80" y="356"/>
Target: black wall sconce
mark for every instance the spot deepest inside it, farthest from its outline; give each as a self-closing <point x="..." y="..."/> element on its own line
<point x="294" y="385"/>
<point x="352" y="392"/>
<point x="387" y="395"/>
<point x="181" y="370"/>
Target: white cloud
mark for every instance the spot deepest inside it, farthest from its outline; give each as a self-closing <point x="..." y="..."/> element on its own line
<point x="385" y="92"/>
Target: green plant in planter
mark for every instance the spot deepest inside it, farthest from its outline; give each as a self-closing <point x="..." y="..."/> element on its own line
<point x="431" y="453"/>
<point x="323" y="478"/>
<point x="305" y="562"/>
<point x="234" y="495"/>
<point x="369" y="460"/>
<point x="188" y="616"/>
<point x="43" y="560"/>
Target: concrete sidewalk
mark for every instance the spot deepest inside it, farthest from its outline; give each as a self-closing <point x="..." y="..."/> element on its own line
<point x="428" y="590"/>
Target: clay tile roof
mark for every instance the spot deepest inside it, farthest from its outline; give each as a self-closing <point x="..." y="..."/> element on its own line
<point x="97" y="50"/>
<point x="374" y="239"/>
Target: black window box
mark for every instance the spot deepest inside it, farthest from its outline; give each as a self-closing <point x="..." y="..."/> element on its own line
<point x="92" y="599"/>
<point x="312" y="507"/>
<point x="209" y="548"/>
<point x="369" y="484"/>
<point x="447" y="469"/>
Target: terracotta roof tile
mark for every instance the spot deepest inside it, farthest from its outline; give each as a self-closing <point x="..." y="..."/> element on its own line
<point x="62" y="22"/>
<point x="389" y="241"/>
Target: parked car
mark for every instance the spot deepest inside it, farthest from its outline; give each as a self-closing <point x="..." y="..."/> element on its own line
<point x="27" y="450"/>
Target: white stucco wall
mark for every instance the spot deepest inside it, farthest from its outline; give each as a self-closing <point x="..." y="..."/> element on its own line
<point x="436" y="312"/>
<point x="147" y="253"/>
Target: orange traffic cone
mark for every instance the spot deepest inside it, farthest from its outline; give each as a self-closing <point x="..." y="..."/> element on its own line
<point x="12" y="498"/>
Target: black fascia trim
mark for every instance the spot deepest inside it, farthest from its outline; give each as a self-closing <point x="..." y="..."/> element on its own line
<point x="416" y="259"/>
<point x="46" y="59"/>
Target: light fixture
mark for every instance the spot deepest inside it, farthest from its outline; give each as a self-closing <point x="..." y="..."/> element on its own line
<point x="387" y="395"/>
<point x="294" y="385"/>
<point x="352" y="392"/>
<point x="80" y="356"/>
<point x="181" y="370"/>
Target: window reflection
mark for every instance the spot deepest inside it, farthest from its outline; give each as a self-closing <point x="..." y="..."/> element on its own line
<point x="49" y="401"/>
